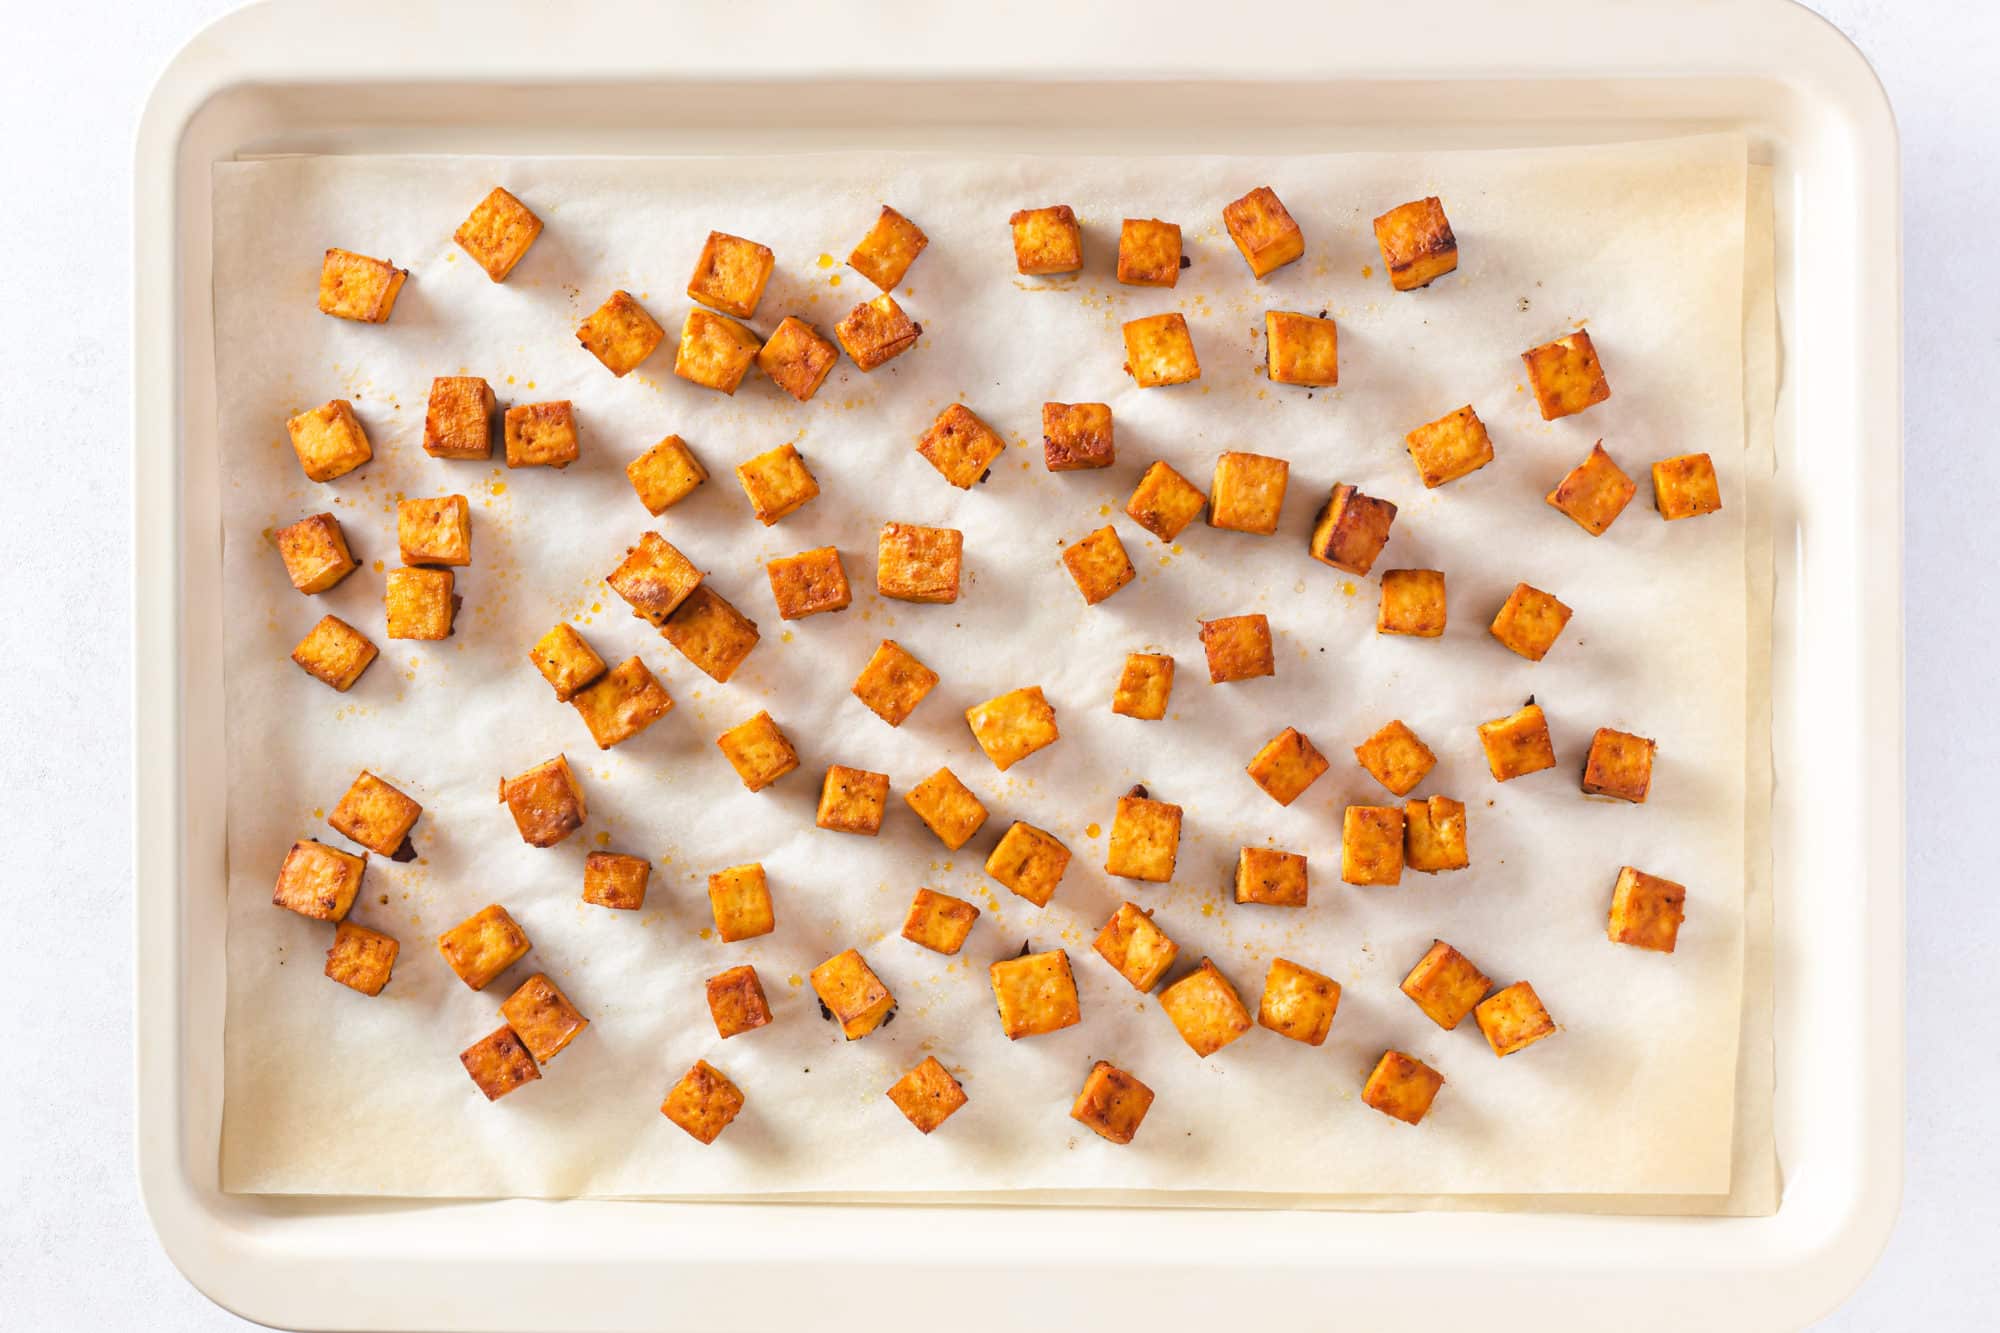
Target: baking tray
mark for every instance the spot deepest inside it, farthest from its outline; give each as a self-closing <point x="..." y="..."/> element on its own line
<point x="1283" y="75"/>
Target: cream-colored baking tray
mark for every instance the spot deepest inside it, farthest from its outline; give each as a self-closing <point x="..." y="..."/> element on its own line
<point x="1279" y="75"/>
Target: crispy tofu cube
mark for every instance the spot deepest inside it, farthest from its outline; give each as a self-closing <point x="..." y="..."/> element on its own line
<point x="703" y="1102"/>
<point x="1530" y="622"/>
<point x="736" y="1002"/>
<point x="758" y="751"/>
<point x="620" y="333"/>
<point x="1646" y="911"/>
<point x="356" y="287"/>
<point x="1417" y="244"/>
<point x="419" y="603"/>
<point x="960" y="446"/>
<point x="435" y="532"/>
<point x="928" y="1094"/>
<point x="1445" y="985"/>
<point x="1517" y="744"/>
<point x="335" y="652"/>
<point x="1298" y="1002"/>
<point x="319" y="881"/>
<point x="1012" y="726"/>
<point x="852" y="994"/>
<point x="546" y="801"/>
<point x="616" y="881"/>
<point x="665" y="474"/>
<point x="361" y="959"/>
<point x="542" y="1017"/>
<point x="887" y="251"/>
<point x="1205" y="1009"/>
<point x="483" y="946"/>
<point x="622" y="703"/>
<point x="566" y="662"/>
<point x="1144" y="686"/>
<point x="1271" y="877"/>
<point x="1076" y="436"/>
<point x="1434" y="835"/>
<point x="654" y="578"/>
<point x="1238" y="648"/>
<point x="947" y="807"/>
<point x="1099" y="565"/>
<point x="1402" y="1086"/>
<point x="1451" y="447"/>
<point x="1566" y="376"/>
<point x="1036" y="993"/>
<point x="541" y="434"/>
<point x="1145" y="838"/>
<point x="715" y="352"/>
<point x="498" y="233"/>
<point x="459" y="418"/>
<point x="1513" y="1018"/>
<point x="919" y="564"/>
<point x="329" y="440"/>
<point x="1371" y="844"/>
<point x="375" y="815"/>
<point x="893" y="683"/>
<point x="1046" y="240"/>
<point x="1112" y="1103"/>
<point x="939" y="921"/>
<point x="777" y="482"/>
<point x="1030" y="862"/>
<point x="315" y="553"/>
<point x="740" y="899"/>
<point x="1396" y="758"/>
<point x="1412" y="603"/>
<point x="1159" y="351"/>
<point x="796" y="358"/>
<point x="1595" y="492"/>
<point x="1165" y="502"/>
<point x="876" y="332"/>
<point x="1149" y="253"/>
<point x="1263" y="231"/>
<point x="711" y="633"/>
<point x="1619" y="764"/>
<point x="853" y="800"/>
<point x="808" y="583"/>
<point x="1248" y="493"/>
<point x="1685" y="487"/>
<point x="1138" y="949"/>
<point x="730" y="274"/>
<point x="1351" y="530"/>
<point x="499" y="1063"/>
<point x="1301" y="349"/>
<point x="1287" y="765"/>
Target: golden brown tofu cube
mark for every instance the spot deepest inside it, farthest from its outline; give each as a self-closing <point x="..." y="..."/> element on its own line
<point x="703" y="1102"/>
<point x="758" y="751"/>
<point x="541" y="434"/>
<point x="315" y="553"/>
<point x="1445" y="985"/>
<point x="1434" y="835"/>
<point x="499" y="1063"/>
<point x="960" y="446"/>
<point x="620" y="333"/>
<point x="1287" y="765"/>
<point x="419" y="603"/>
<point x="329" y="440"/>
<point x="546" y="801"/>
<point x="1030" y="862"/>
<point x="1238" y="648"/>
<point x="566" y="662"/>
<point x="1047" y="240"/>
<point x="654" y="578"/>
<point x="852" y="994"/>
<point x="887" y="251"/>
<point x="1530" y="622"/>
<point x="1149" y="253"/>
<point x="1298" y="1002"/>
<point x="1248" y="493"/>
<point x="928" y="1094"/>
<point x="1145" y="838"/>
<point x="1263" y="231"/>
<point x="1646" y="911"/>
<point x="1517" y="744"/>
<point x="1351" y="530"/>
<point x="616" y="881"/>
<point x="1301" y="349"/>
<point x="1595" y="492"/>
<point x="740" y="899"/>
<point x="730" y="274"/>
<point x="1098" y="564"/>
<point x="808" y="583"/>
<point x="1076" y="436"/>
<point x="622" y="703"/>
<point x="665" y="474"/>
<point x="947" y="807"/>
<point x="1205" y="1009"/>
<point x="319" y="881"/>
<point x="1271" y="877"/>
<point x="1417" y="244"/>
<point x="361" y="959"/>
<point x="876" y="332"/>
<point x="711" y="633"/>
<point x="458" y="420"/>
<point x="356" y="287"/>
<point x="483" y="946"/>
<point x="1144" y="686"/>
<point x="1412" y="603"/>
<point x="1685" y="487"/>
<point x="1159" y="351"/>
<point x="777" y="482"/>
<point x="1619" y="764"/>
<point x="498" y="233"/>
<point x="1402" y="1086"/>
<point x="335" y="652"/>
<point x="542" y="1017"/>
<point x="1165" y="502"/>
<point x="1371" y="845"/>
<point x="715" y="352"/>
<point x="939" y="921"/>
<point x="1396" y="758"/>
<point x="1012" y="726"/>
<point x="1138" y="949"/>
<point x="1450" y="447"/>
<point x="796" y="358"/>
<point x="919" y="564"/>
<point x="1513" y="1018"/>
<point x="1566" y="376"/>
<point x="375" y="815"/>
<point x="435" y="532"/>
<point x="736" y="1002"/>
<point x="852" y="800"/>
<point x="893" y="683"/>
<point x="1112" y="1103"/>
<point x="1036" y="993"/>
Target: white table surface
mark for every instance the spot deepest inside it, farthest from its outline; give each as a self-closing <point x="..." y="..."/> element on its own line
<point x="76" y="1250"/>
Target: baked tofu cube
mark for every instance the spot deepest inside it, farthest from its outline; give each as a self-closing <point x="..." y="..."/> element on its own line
<point x="711" y="633"/>
<point x="736" y="1002"/>
<point x="1685" y="487"/>
<point x="1144" y="686"/>
<point x="419" y="603"/>
<point x="356" y="287"/>
<point x="1030" y="862"/>
<point x="1263" y="231"/>
<point x="361" y="959"/>
<point x="1513" y="1018"/>
<point x="1351" y="530"/>
<point x="1271" y="877"/>
<point x="808" y="583"/>
<point x="1298" y="1002"/>
<point x="546" y="801"/>
<point x="1595" y="492"/>
<point x="1287" y="765"/>
<point x="654" y="578"/>
<point x="939" y="921"/>
<point x="876" y="332"/>
<point x="315" y="553"/>
<point x="375" y="815"/>
<point x="740" y="899"/>
<point x="1517" y="744"/>
<point x="622" y="703"/>
<point x="1301" y="349"/>
<point x="620" y="334"/>
<point x="887" y="251"/>
<point x="852" y="994"/>
<point x="335" y="652"/>
<point x="1248" y="493"/>
<point x="499" y="1063"/>
<point x="1565" y="375"/>
<point x="1434" y="835"/>
<point x="1205" y="1009"/>
<point x="1402" y="1086"/>
<point x="1445" y="985"/>
<point x="435" y="532"/>
<point x="1036" y="994"/>
<point x="329" y="440"/>
<point x="853" y="800"/>
<point x="758" y="751"/>
<point x="1098" y="564"/>
<point x="1450" y="447"/>
<point x="1412" y="603"/>
<point x="616" y="881"/>
<point x="893" y="683"/>
<point x="1112" y="1103"/>
<point x="715" y="352"/>
<point x="498" y="233"/>
<point x="1012" y="726"/>
<point x="566" y="662"/>
<point x="1138" y="949"/>
<point x="703" y="1102"/>
<point x="947" y="807"/>
<point x="459" y="418"/>
<point x="918" y="564"/>
<point x="1076" y="436"/>
<point x="1646" y="911"/>
<point x="1149" y="253"/>
<point x="483" y="946"/>
<point x="1396" y="758"/>
<point x="665" y="474"/>
<point x="1145" y="838"/>
<point x="1238" y="648"/>
<point x="319" y="881"/>
<point x="1619" y="764"/>
<point x="777" y="483"/>
<point x="542" y="1017"/>
<point x="1417" y="244"/>
<point x="730" y="274"/>
<point x="796" y="358"/>
<point x="1046" y="240"/>
<point x="1165" y="502"/>
<point x="1159" y="351"/>
<point x="541" y="434"/>
<point x="928" y="1094"/>
<point x="1530" y="622"/>
<point x="1371" y="844"/>
<point x="960" y="446"/>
